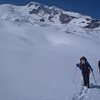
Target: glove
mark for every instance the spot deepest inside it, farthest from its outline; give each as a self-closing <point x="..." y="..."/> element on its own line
<point x="92" y="70"/>
<point x="77" y="65"/>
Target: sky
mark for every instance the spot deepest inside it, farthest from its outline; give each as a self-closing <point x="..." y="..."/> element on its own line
<point x="86" y="7"/>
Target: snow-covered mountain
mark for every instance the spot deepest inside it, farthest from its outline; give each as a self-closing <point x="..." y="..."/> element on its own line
<point x="35" y="13"/>
<point x="38" y="58"/>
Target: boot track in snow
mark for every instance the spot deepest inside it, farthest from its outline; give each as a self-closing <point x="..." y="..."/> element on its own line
<point x="82" y="95"/>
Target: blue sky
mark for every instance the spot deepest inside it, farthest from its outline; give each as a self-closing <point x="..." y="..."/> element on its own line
<point x="87" y="7"/>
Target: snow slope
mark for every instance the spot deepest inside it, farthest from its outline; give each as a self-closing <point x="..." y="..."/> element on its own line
<point x="38" y="63"/>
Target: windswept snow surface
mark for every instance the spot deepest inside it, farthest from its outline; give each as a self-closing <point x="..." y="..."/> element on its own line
<point x="38" y="63"/>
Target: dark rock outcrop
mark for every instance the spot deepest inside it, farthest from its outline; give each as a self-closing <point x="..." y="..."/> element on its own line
<point x="64" y="18"/>
<point x="93" y="24"/>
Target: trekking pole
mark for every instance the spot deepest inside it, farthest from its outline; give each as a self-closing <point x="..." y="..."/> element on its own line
<point x="94" y="78"/>
<point x="74" y="80"/>
<point x="75" y="74"/>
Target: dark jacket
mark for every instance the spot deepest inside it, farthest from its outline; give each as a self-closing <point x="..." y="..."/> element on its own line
<point x="85" y="68"/>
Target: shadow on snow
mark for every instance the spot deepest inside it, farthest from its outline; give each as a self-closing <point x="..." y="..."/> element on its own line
<point x="95" y="86"/>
